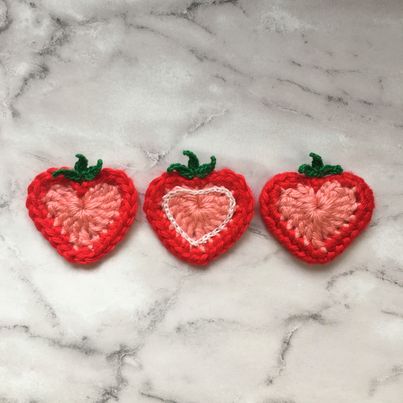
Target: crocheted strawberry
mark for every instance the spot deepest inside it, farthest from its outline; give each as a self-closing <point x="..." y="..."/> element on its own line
<point x="198" y="213"/>
<point x="317" y="213"/>
<point x="83" y="212"/>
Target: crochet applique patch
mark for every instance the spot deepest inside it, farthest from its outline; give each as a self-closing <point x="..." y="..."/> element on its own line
<point x="197" y="212"/>
<point x="83" y="219"/>
<point x="85" y="212"/>
<point x="317" y="213"/>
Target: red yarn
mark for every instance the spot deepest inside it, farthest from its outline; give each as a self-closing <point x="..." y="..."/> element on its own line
<point x="215" y="245"/>
<point x="107" y="238"/>
<point x="335" y="243"/>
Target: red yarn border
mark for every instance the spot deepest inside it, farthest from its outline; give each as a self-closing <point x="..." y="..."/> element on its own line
<point x="107" y="242"/>
<point x="216" y="245"/>
<point x="335" y="244"/>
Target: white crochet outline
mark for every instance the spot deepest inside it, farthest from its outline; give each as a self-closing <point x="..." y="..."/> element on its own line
<point x="215" y="189"/>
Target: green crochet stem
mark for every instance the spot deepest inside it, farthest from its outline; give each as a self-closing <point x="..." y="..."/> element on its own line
<point x="318" y="169"/>
<point x="81" y="171"/>
<point x="194" y="169"/>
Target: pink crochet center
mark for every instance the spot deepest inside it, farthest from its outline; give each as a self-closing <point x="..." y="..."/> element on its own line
<point x="199" y="214"/>
<point x="316" y="216"/>
<point x="84" y="218"/>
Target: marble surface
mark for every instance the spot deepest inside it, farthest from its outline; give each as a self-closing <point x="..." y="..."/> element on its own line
<point x="260" y="84"/>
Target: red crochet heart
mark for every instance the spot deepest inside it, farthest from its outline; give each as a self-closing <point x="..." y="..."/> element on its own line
<point x="198" y="213"/>
<point x="316" y="218"/>
<point x="83" y="221"/>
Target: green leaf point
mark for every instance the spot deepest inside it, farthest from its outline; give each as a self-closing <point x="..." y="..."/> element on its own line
<point x="81" y="172"/>
<point x="317" y="169"/>
<point x="193" y="169"/>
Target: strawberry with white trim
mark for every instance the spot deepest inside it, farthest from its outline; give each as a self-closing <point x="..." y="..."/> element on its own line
<point x="197" y="212"/>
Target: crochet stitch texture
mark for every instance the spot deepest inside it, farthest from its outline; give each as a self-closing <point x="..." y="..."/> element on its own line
<point x="82" y="218"/>
<point x="199" y="215"/>
<point x="317" y="216"/>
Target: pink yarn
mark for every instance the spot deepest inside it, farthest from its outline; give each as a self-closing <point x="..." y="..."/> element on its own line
<point x="316" y="216"/>
<point x="199" y="214"/>
<point x="83" y="218"/>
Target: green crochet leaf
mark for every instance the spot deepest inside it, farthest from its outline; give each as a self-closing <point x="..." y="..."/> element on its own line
<point x="317" y="169"/>
<point x="81" y="171"/>
<point x="194" y="169"/>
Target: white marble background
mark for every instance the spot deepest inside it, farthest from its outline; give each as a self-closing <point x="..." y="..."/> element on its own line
<point x="259" y="84"/>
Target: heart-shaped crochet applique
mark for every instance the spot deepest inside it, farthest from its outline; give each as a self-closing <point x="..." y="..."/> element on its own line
<point x="199" y="214"/>
<point x="83" y="212"/>
<point x="316" y="216"/>
<point x="317" y="212"/>
<point x="83" y="218"/>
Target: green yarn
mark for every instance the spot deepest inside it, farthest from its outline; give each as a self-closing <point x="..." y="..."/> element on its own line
<point x="317" y="169"/>
<point x="81" y="171"/>
<point x="193" y="169"/>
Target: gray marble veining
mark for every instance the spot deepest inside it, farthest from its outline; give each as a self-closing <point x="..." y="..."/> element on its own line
<point x="259" y="84"/>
